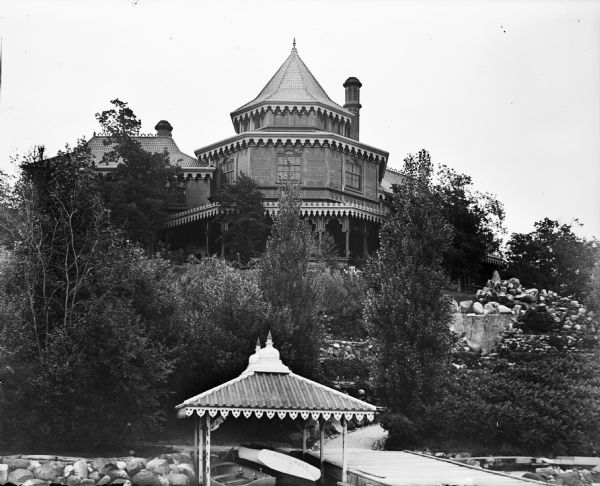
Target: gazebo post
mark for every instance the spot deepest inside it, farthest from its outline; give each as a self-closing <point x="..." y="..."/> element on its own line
<point x="321" y="448"/>
<point x="200" y="448"/>
<point x="196" y="454"/>
<point x="206" y="452"/>
<point x="304" y="434"/>
<point x="344" y="456"/>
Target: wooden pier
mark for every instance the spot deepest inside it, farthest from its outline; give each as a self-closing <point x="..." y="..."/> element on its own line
<point x="402" y="468"/>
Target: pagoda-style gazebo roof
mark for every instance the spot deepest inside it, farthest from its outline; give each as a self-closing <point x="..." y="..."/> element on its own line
<point x="269" y="388"/>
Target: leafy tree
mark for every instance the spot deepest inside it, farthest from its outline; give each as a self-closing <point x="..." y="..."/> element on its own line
<point x="476" y="219"/>
<point x="593" y="298"/>
<point x="223" y="314"/>
<point x="86" y="319"/>
<point x="406" y="310"/>
<point x="290" y="288"/>
<point x="243" y="213"/>
<point x="552" y="257"/>
<point x="138" y="190"/>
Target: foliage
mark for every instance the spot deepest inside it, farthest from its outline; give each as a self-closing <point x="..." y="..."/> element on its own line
<point x="88" y="340"/>
<point x="289" y="286"/>
<point x="547" y="404"/>
<point x="137" y="191"/>
<point x="593" y="298"/>
<point x="552" y="257"/>
<point x="223" y="313"/>
<point x="243" y="213"/>
<point x="343" y="295"/>
<point x="476" y="219"/>
<point x="406" y="310"/>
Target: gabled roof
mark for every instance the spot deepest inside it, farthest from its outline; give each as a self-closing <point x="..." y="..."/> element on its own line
<point x="293" y="83"/>
<point x="269" y="387"/>
<point x="152" y="144"/>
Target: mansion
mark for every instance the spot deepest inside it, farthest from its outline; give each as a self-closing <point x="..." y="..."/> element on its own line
<point x="292" y="130"/>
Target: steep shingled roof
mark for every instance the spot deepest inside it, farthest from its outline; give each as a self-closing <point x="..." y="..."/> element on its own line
<point x="152" y="144"/>
<point x="269" y="387"/>
<point x="293" y="83"/>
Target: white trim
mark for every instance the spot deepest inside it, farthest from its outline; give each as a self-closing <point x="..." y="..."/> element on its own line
<point x="281" y="414"/>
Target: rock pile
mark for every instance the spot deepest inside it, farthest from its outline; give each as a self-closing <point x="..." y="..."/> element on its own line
<point x="167" y="470"/>
<point x="556" y="475"/>
<point x="541" y="320"/>
<point x="344" y="349"/>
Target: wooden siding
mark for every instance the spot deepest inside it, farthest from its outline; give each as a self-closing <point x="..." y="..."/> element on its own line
<point x="243" y="165"/>
<point x="197" y="192"/>
<point x="335" y="169"/>
<point x="262" y="166"/>
<point x="315" y="167"/>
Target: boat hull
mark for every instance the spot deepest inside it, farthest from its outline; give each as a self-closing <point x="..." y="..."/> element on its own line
<point x="232" y="474"/>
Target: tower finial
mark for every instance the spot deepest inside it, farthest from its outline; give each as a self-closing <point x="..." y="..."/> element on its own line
<point x="294" y="44"/>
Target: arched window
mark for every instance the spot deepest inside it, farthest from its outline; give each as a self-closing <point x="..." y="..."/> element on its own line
<point x="354" y="175"/>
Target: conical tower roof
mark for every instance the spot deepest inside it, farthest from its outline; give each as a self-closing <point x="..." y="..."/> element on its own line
<point x="293" y="84"/>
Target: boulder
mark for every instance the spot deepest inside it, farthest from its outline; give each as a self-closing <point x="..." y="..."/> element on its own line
<point x="3" y="473"/>
<point x="135" y="465"/>
<point x="19" y="476"/>
<point x="33" y="465"/>
<point x="87" y="482"/>
<point x="74" y="480"/>
<point x="60" y="480"/>
<point x="118" y="473"/>
<point x="466" y="306"/>
<point x="121" y="464"/>
<point x="146" y="478"/>
<point x="68" y="470"/>
<point x="491" y="308"/>
<point x="571" y="479"/>
<point x="49" y="471"/>
<point x="180" y="457"/>
<point x="80" y="468"/>
<point x="95" y="475"/>
<point x="188" y="470"/>
<point x="99" y="462"/>
<point x="121" y="482"/>
<point x="154" y="463"/>
<point x="478" y="308"/>
<point x="502" y="309"/>
<point x="163" y="481"/>
<point x="176" y="479"/>
<point x="162" y="470"/>
<point x="17" y="462"/>
<point x="104" y="481"/>
<point x="35" y="482"/>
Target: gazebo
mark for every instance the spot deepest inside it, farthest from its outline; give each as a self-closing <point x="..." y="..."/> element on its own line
<point x="268" y="388"/>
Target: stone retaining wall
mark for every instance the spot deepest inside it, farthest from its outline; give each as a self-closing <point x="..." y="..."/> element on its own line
<point x="482" y="330"/>
<point x="166" y="470"/>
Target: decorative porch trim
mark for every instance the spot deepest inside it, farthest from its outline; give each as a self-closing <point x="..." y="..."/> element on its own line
<point x="281" y="414"/>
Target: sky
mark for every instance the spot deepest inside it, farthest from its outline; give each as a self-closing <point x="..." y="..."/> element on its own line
<point x="506" y="92"/>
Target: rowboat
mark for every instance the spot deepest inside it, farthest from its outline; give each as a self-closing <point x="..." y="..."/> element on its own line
<point x="283" y="465"/>
<point x="232" y="474"/>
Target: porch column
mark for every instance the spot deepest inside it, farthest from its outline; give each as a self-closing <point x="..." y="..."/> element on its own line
<point x="344" y="456"/>
<point x="206" y="452"/>
<point x="320" y="229"/>
<point x="321" y="448"/>
<point x="365" y="244"/>
<point x="346" y="229"/>
<point x="206" y="226"/>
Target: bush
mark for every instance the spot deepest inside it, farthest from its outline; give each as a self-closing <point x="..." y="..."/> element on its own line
<point x="545" y="404"/>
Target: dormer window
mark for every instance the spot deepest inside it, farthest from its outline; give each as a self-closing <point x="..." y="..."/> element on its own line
<point x="354" y="175"/>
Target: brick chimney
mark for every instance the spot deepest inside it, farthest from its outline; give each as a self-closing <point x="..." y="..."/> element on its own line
<point x="163" y="129"/>
<point x="352" y="103"/>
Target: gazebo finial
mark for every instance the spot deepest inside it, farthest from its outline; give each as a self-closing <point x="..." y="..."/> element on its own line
<point x="257" y="344"/>
<point x="294" y="45"/>
<point x="269" y="339"/>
